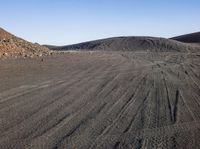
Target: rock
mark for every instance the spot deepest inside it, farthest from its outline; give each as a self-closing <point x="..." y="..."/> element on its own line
<point x="40" y="55"/>
<point x="31" y="56"/>
<point x="50" y="53"/>
<point x="5" y="54"/>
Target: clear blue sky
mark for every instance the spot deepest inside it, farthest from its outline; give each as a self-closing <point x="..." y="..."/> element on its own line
<point x="63" y="22"/>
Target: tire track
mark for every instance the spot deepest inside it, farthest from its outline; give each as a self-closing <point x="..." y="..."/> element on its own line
<point x="103" y="100"/>
<point x="114" y="125"/>
<point x="74" y="121"/>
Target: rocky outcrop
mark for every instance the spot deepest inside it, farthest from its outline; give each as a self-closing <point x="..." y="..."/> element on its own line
<point x="12" y="46"/>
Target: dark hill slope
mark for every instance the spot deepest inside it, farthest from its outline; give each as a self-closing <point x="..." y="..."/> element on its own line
<point x="129" y="44"/>
<point x="188" y="38"/>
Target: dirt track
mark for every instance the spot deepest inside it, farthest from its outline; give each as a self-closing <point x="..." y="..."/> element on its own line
<point x="101" y="100"/>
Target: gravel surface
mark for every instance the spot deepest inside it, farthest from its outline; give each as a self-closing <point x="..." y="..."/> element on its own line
<point x="86" y="100"/>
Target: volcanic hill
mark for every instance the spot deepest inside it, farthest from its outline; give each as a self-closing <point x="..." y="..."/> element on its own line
<point x="10" y="45"/>
<point x="151" y="44"/>
<point x="188" y="38"/>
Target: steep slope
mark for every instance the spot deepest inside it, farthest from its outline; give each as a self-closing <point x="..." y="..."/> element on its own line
<point x="11" y="45"/>
<point x="129" y="44"/>
<point x="188" y="38"/>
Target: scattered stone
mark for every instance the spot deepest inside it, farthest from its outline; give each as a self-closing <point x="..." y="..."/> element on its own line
<point x="12" y="46"/>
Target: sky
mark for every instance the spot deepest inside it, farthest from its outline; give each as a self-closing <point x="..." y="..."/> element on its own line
<point x="62" y="22"/>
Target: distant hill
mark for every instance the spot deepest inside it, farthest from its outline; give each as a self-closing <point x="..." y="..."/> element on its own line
<point x="128" y="44"/>
<point x="10" y="45"/>
<point x="188" y="38"/>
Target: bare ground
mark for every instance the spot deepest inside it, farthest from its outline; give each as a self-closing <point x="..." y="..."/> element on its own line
<point x="101" y="100"/>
